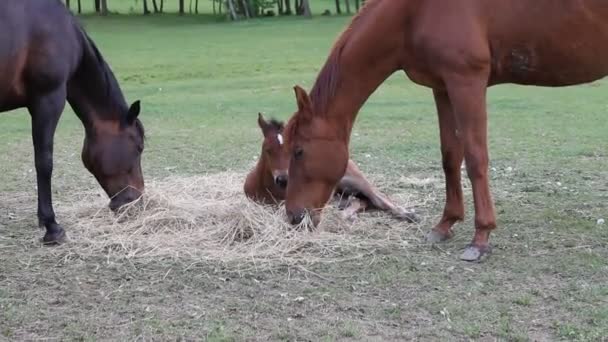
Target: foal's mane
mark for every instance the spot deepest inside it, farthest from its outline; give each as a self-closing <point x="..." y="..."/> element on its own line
<point x="328" y="79"/>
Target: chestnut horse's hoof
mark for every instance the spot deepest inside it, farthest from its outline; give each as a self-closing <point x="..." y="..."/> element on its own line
<point x="436" y="236"/>
<point x="54" y="236"/>
<point x="476" y="253"/>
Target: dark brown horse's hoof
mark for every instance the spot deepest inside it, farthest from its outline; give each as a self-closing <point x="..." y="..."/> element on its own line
<point x="476" y="253"/>
<point x="55" y="236"/>
<point x="436" y="236"/>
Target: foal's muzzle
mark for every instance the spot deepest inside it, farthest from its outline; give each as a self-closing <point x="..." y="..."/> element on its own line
<point x="281" y="181"/>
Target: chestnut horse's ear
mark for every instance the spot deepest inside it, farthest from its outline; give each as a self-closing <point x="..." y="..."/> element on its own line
<point x="304" y="104"/>
<point x="133" y="112"/>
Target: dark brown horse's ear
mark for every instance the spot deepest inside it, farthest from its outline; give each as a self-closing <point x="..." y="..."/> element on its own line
<point x="304" y="104"/>
<point x="133" y="112"/>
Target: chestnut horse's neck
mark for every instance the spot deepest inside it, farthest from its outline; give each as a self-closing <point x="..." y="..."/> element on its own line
<point x="363" y="57"/>
<point x="93" y="91"/>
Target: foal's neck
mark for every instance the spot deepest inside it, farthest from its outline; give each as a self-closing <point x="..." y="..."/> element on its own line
<point x="260" y="184"/>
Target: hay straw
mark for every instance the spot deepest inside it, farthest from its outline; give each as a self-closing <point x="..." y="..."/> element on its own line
<point x="208" y="219"/>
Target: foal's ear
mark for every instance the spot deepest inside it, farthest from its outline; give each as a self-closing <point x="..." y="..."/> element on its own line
<point x="304" y="104"/>
<point x="262" y="123"/>
<point x="133" y="112"/>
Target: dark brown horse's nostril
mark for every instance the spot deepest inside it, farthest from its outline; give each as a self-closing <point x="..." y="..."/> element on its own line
<point x="281" y="181"/>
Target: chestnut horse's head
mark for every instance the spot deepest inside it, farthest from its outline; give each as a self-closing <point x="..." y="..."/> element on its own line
<point x="274" y="156"/>
<point x="318" y="153"/>
<point x="112" y="153"/>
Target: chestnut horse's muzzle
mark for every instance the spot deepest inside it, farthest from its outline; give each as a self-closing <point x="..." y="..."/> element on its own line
<point x="296" y="217"/>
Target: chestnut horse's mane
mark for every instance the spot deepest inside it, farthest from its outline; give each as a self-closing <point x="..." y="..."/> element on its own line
<point x="328" y="79"/>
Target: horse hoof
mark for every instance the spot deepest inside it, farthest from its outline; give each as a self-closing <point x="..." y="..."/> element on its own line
<point x="54" y="237"/>
<point x="436" y="236"/>
<point x="408" y="216"/>
<point x="475" y="253"/>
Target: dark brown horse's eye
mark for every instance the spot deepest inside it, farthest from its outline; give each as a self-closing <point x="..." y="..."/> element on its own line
<point x="298" y="153"/>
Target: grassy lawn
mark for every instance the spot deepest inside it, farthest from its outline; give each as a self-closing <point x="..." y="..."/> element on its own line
<point x="202" y="84"/>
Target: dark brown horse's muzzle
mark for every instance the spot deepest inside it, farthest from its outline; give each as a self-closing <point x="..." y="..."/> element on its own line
<point x="124" y="197"/>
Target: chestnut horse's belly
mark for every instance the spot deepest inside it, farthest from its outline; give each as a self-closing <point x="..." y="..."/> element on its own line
<point x="531" y="66"/>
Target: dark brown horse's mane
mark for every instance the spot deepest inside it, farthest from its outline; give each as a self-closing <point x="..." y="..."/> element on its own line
<point x="328" y="79"/>
<point x="111" y="90"/>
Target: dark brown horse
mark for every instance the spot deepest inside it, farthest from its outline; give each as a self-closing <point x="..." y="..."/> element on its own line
<point x="268" y="180"/>
<point x="45" y="58"/>
<point x="458" y="49"/>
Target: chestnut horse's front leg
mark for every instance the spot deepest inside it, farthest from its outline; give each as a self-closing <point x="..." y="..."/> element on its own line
<point x="467" y="93"/>
<point x="452" y="153"/>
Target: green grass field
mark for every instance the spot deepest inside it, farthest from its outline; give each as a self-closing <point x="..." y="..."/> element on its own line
<point x="202" y="84"/>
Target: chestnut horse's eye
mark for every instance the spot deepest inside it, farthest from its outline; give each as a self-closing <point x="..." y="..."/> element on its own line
<point x="298" y="153"/>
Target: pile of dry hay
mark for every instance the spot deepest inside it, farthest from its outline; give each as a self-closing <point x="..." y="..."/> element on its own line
<point x="208" y="218"/>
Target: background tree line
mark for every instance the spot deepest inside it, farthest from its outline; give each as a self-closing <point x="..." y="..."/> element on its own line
<point x="235" y="9"/>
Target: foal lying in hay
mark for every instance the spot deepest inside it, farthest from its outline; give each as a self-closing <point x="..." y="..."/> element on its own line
<point x="267" y="182"/>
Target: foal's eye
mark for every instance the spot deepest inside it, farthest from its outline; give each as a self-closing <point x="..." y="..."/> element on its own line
<point x="298" y="153"/>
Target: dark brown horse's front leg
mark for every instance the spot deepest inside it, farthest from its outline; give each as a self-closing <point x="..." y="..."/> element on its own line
<point x="468" y="98"/>
<point x="45" y="112"/>
<point x="452" y="153"/>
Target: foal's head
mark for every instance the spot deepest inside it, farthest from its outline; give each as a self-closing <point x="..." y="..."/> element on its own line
<point x="274" y="157"/>
<point x="112" y="153"/>
<point x="318" y="152"/>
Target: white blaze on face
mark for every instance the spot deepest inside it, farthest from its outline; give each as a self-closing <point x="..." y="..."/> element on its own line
<point x="280" y="138"/>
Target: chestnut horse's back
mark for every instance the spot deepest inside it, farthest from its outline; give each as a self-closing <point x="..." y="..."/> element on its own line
<point x="547" y="42"/>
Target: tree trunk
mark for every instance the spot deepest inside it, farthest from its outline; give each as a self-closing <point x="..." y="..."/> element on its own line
<point x="67" y="4"/>
<point x="97" y="6"/>
<point x="146" y="11"/>
<point x="79" y="7"/>
<point x="245" y="8"/>
<point x="196" y="6"/>
<point x="233" y="15"/>
<point x="347" y="6"/>
<point x="280" y="7"/>
<point x="306" y="9"/>
<point x="181" y="7"/>
<point x="155" y="6"/>
<point x="104" y="7"/>
<point x="357" y="5"/>
<point x="288" y="7"/>
<point x="221" y="7"/>
<point x="162" y="6"/>
<point x="190" y="7"/>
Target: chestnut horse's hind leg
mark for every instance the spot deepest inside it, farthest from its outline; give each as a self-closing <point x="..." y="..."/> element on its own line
<point x="468" y="98"/>
<point x="452" y="153"/>
<point x="45" y="112"/>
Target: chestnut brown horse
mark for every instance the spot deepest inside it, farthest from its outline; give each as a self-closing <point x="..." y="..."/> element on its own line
<point x="458" y="49"/>
<point x="45" y="58"/>
<point x="267" y="182"/>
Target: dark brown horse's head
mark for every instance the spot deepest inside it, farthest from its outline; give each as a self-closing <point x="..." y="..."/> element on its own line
<point x="318" y="154"/>
<point x="112" y="153"/>
<point x="274" y="156"/>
